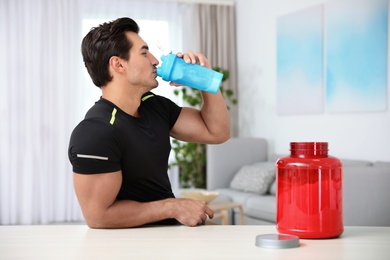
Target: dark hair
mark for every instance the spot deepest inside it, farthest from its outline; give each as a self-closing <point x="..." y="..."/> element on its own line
<point x="103" y="42"/>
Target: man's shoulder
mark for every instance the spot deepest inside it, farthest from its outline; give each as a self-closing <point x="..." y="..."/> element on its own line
<point x="102" y="109"/>
<point x="160" y="104"/>
<point x="154" y="99"/>
<point x="92" y="128"/>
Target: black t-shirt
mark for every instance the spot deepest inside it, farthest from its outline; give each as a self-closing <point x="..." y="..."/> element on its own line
<point x="109" y="140"/>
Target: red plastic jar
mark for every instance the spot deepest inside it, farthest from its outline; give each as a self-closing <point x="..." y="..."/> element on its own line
<point x="309" y="192"/>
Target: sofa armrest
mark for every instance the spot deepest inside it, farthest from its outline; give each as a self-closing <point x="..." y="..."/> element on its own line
<point x="366" y="195"/>
<point x="224" y="160"/>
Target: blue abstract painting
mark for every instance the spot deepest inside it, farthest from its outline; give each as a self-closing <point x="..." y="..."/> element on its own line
<point x="356" y="55"/>
<point x="300" y="62"/>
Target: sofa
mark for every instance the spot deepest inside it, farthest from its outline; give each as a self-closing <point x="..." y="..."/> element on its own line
<point x="366" y="185"/>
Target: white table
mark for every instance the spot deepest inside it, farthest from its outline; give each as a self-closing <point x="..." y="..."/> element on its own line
<point x="180" y="242"/>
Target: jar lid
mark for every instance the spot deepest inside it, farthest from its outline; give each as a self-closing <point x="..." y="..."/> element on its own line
<point x="277" y="241"/>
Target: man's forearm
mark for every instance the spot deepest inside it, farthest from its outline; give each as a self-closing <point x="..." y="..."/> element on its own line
<point x="126" y="213"/>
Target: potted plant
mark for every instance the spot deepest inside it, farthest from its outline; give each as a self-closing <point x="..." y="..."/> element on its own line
<point x="191" y="157"/>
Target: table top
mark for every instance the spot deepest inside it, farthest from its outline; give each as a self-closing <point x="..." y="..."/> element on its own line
<point x="181" y="242"/>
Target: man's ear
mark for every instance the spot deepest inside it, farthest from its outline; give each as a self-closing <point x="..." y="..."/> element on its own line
<point x="116" y="64"/>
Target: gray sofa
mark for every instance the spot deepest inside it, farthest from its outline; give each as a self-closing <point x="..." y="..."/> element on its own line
<point x="366" y="185"/>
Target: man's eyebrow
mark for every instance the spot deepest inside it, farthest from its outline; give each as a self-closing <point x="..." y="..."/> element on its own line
<point x="145" y="47"/>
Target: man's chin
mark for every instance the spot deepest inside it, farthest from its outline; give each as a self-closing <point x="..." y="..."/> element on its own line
<point x="155" y="85"/>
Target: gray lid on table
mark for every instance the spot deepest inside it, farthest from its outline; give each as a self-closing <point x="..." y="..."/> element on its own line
<point x="277" y="241"/>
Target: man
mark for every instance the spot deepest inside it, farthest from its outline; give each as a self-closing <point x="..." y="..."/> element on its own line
<point x="120" y="151"/>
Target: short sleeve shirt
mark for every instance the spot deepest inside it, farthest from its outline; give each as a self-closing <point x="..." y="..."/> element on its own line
<point x="109" y="140"/>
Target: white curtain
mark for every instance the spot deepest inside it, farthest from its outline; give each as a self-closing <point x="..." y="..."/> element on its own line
<point x="44" y="93"/>
<point x="39" y="52"/>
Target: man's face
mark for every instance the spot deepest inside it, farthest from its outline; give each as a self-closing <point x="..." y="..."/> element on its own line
<point x="141" y="65"/>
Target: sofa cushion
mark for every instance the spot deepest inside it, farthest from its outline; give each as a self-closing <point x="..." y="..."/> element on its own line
<point x="272" y="189"/>
<point x="235" y="195"/>
<point x="275" y="157"/>
<point x="261" y="207"/>
<point x="382" y="163"/>
<point x="256" y="178"/>
<point x="354" y="163"/>
<point x="366" y="196"/>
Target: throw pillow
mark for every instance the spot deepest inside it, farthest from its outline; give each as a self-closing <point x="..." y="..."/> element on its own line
<point x="256" y="178"/>
<point x="272" y="190"/>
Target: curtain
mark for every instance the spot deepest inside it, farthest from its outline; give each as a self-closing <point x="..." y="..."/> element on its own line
<point x="139" y="10"/>
<point x="44" y="93"/>
<point x="39" y="50"/>
<point x="213" y="33"/>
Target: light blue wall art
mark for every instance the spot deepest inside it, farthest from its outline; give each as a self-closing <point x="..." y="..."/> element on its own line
<point x="356" y="55"/>
<point x="333" y="58"/>
<point x="300" y="62"/>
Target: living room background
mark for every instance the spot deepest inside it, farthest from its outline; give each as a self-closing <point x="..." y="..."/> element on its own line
<point x="350" y="135"/>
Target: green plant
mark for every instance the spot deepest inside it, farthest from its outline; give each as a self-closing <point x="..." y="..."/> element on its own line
<point x="191" y="157"/>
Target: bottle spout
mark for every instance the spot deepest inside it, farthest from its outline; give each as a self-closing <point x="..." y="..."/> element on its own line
<point x="164" y="71"/>
<point x="159" y="71"/>
<point x="163" y="57"/>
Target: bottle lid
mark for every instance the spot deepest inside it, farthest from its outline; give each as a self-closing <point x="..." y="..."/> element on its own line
<point x="277" y="241"/>
<point x="164" y="71"/>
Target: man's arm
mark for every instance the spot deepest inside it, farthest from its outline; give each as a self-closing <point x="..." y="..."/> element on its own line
<point x="97" y="193"/>
<point x="210" y="124"/>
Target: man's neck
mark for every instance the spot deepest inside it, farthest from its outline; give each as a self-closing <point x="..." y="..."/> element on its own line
<point x="127" y="101"/>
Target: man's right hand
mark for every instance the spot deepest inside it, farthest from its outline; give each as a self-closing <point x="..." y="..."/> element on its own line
<point x="190" y="212"/>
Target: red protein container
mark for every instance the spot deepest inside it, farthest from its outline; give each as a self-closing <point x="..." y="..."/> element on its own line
<point x="309" y="192"/>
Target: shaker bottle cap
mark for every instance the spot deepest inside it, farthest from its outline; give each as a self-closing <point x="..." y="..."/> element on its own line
<point x="165" y="69"/>
<point x="277" y="241"/>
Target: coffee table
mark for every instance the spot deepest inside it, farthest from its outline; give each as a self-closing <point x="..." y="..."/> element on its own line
<point x="222" y="211"/>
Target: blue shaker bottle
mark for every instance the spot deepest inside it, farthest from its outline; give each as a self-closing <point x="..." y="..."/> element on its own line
<point x="175" y="69"/>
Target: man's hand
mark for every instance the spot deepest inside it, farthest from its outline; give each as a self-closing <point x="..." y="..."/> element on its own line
<point x="190" y="212"/>
<point x="194" y="58"/>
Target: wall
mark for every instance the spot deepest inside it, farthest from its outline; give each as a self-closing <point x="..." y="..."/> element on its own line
<point x="350" y="135"/>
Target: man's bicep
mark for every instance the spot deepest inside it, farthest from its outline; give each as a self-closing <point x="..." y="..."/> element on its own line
<point x="190" y="127"/>
<point x="96" y="192"/>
